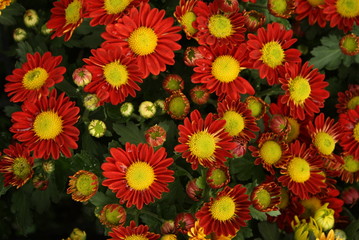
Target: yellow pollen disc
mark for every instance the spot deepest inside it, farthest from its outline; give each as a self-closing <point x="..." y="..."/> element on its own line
<point x="353" y="102"/>
<point x="263" y="197"/>
<point x="187" y="19"/>
<point x="284" y="198"/>
<point x="202" y="144"/>
<point x="35" y="78"/>
<point x="113" y="216"/>
<point x="279" y="6"/>
<point x="324" y="143"/>
<point x="311" y="205"/>
<point x="348" y="8"/>
<point x="315" y="3"/>
<point x="72" y="12"/>
<point x="21" y="168"/>
<point x="351" y="164"/>
<point x="84" y="184"/>
<point x="136" y="237"/>
<point x="272" y="54"/>
<point x="294" y="129"/>
<point x="115" y="74"/>
<point x="47" y="125"/>
<point x="218" y="176"/>
<point x="223" y="209"/>
<point x="177" y="106"/>
<point x="356" y="132"/>
<point x="299" y="90"/>
<point x="256" y="107"/>
<point x="299" y="170"/>
<point x="220" y="26"/>
<point x="226" y="68"/>
<point x="143" y="41"/>
<point x="140" y="176"/>
<point x="116" y="6"/>
<point x="234" y="123"/>
<point x="270" y="152"/>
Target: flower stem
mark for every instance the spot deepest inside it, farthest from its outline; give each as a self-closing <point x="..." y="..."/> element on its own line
<point x="183" y="170"/>
<point x="154" y="215"/>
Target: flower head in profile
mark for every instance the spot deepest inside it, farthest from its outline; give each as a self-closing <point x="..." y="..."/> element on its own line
<point x="35" y="77"/>
<point x="349" y="170"/>
<point x="348" y="99"/>
<point x="46" y="126"/>
<point x="137" y="174"/>
<point x="83" y="185"/>
<point x="350" y="135"/>
<point x="185" y="16"/>
<point x="133" y="232"/>
<point x="266" y="196"/>
<point x="204" y="141"/>
<point x="150" y="40"/>
<point x="16" y="165"/>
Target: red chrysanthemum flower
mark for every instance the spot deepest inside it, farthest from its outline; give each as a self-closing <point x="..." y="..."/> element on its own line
<point x="204" y="141"/>
<point x="148" y="37"/>
<point x="46" y="126"/>
<point x="115" y="75"/>
<point x="301" y="173"/>
<point x="112" y="215"/>
<point x="66" y="16"/>
<point x="137" y="174"/>
<point x="281" y="8"/>
<point x="217" y="28"/>
<point x="34" y="78"/>
<point x="269" y="50"/>
<point x="272" y="151"/>
<point x="185" y="16"/>
<point x="83" y="185"/>
<point x="311" y="9"/>
<point x="218" y="177"/>
<point x="132" y="232"/>
<point x="266" y="197"/>
<point x="348" y="99"/>
<point x="219" y="71"/>
<point x="177" y="105"/>
<point x="342" y="13"/>
<point x="16" y="165"/>
<point x="226" y="213"/>
<point x="304" y="89"/>
<point x="349" y="171"/>
<point x="350" y="132"/>
<point x="253" y="20"/>
<point x="239" y="119"/>
<point x="325" y="134"/>
<point x="105" y="12"/>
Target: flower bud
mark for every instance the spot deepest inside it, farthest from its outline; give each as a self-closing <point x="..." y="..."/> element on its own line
<point x="112" y="215"/>
<point x="173" y="82"/>
<point x="253" y="20"/>
<point x="91" y="102"/>
<point x="350" y="196"/>
<point x="177" y="105"/>
<point x="40" y="182"/>
<point x="160" y="105"/>
<point x="126" y="109"/>
<point x="324" y="216"/>
<point x="31" y="18"/>
<point x="168" y="227"/>
<point x="184" y="221"/>
<point x="48" y="166"/>
<point x="169" y="237"/>
<point x="97" y="128"/>
<point x="199" y="95"/>
<point x="147" y="109"/>
<point x="241" y="147"/>
<point x="78" y="234"/>
<point x="155" y="136"/>
<point x="340" y="234"/>
<point x="279" y="124"/>
<point x="229" y="6"/>
<point x="45" y="30"/>
<point x="349" y="44"/>
<point x="81" y="77"/>
<point x="19" y="34"/>
<point x="193" y="191"/>
<point x="191" y="55"/>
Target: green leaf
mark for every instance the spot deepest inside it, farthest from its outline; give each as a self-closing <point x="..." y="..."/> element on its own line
<point x="10" y="109"/>
<point x="274" y="213"/>
<point x="100" y="199"/>
<point x="244" y="169"/>
<point x="244" y="233"/>
<point x="42" y="199"/>
<point x="352" y="230"/>
<point x="269" y="231"/>
<point x="129" y="133"/>
<point x="7" y="16"/>
<point x="258" y="215"/>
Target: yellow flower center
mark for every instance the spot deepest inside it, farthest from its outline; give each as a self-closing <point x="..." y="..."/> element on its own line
<point x="140" y="176"/>
<point x="351" y="164"/>
<point x="263" y="197"/>
<point x="279" y="6"/>
<point x="226" y="68"/>
<point x="299" y="170"/>
<point x="115" y="74"/>
<point x="143" y="41"/>
<point x="21" y="168"/>
<point x="47" y="125"/>
<point x="218" y="177"/>
<point x="116" y="6"/>
<point x="256" y="107"/>
<point x="284" y="198"/>
<point x="348" y="8"/>
<point x="177" y="106"/>
<point x="353" y="102"/>
<point x="324" y="143"/>
<point x="294" y="129"/>
<point x="85" y="184"/>
<point x="234" y="123"/>
<point x="272" y="54"/>
<point x="350" y="43"/>
<point x="136" y="237"/>
<point x="315" y="3"/>
<point x="35" y="78"/>
<point x="72" y="12"/>
<point x="270" y="152"/>
<point x="356" y="132"/>
<point x="311" y="205"/>
<point x="220" y="26"/>
<point x="202" y="144"/>
<point x="299" y="90"/>
<point x="187" y="19"/>
<point x="113" y="216"/>
<point x="223" y="209"/>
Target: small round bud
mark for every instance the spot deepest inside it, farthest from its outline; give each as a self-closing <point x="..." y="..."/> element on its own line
<point x="253" y="20"/>
<point x="177" y="105"/>
<point x="31" y="18"/>
<point x="40" y="182"/>
<point x="192" y="54"/>
<point x="324" y="216"/>
<point x="169" y="237"/>
<point x="340" y="234"/>
<point x="126" y="109"/>
<point x="48" y="166"/>
<point x="350" y="196"/>
<point x="173" y="82"/>
<point x="78" y="234"/>
<point x="19" y="34"/>
<point x="97" y="128"/>
<point x="147" y="109"/>
<point x="81" y="77"/>
<point x="45" y="30"/>
<point x="155" y="136"/>
<point x="184" y="221"/>
<point x="91" y="102"/>
<point x="241" y="147"/>
<point x="168" y="227"/>
<point x="193" y="191"/>
<point x="112" y="215"/>
<point x="199" y="95"/>
<point x="160" y="104"/>
<point x="349" y="44"/>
